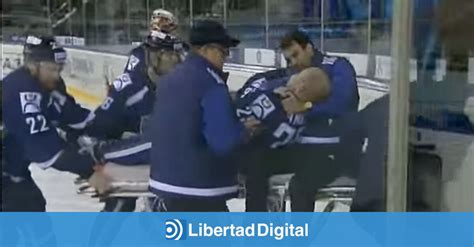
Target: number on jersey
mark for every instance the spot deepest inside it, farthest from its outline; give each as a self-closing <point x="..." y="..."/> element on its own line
<point x="286" y="133"/>
<point x="37" y="124"/>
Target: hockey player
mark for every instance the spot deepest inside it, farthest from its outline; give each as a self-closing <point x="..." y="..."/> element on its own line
<point x="162" y="23"/>
<point x="36" y="107"/>
<point x="316" y="156"/>
<point x="275" y="151"/>
<point x="131" y="96"/>
<point x="328" y="137"/>
<point x="263" y="97"/>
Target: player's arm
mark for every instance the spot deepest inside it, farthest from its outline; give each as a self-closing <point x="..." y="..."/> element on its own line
<point x="39" y="138"/>
<point x="131" y="151"/>
<point x="112" y="110"/>
<point x="343" y="91"/>
<point x="72" y="114"/>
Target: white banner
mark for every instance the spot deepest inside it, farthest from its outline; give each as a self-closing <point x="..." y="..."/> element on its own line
<point x="262" y="57"/>
<point x="383" y="68"/>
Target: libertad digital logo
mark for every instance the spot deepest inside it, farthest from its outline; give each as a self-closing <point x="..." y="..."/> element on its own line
<point x="180" y="229"/>
<point x="175" y="229"/>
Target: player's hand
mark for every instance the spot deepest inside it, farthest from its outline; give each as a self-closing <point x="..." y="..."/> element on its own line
<point x="293" y="105"/>
<point x="100" y="181"/>
<point x="91" y="146"/>
<point x="252" y="126"/>
<point x="284" y="92"/>
<point x="251" y="123"/>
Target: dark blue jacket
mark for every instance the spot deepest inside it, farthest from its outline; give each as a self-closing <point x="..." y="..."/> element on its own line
<point x="325" y="119"/>
<point x="31" y="119"/>
<point x="194" y="130"/>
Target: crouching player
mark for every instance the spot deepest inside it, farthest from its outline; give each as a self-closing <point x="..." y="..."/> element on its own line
<point x="265" y="96"/>
<point x="37" y="106"/>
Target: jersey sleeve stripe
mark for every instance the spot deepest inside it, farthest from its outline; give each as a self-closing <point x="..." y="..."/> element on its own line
<point x="206" y="192"/>
<point x="136" y="97"/>
<point x="128" y="151"/>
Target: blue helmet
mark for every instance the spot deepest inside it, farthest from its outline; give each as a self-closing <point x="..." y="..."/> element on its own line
<point x="37" y="49"/>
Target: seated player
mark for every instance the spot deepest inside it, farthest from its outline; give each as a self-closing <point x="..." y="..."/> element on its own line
<point x="267" y="101"/>
<point x="265" y="96"/>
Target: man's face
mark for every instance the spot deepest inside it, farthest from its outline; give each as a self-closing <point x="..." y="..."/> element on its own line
<point x="298" y="57"/>
<point x="161" y="63"/>
<point x="296" y="85"/>
<point x="217" y="54"/>
<point x="49" y="74"/>
<point x="164" y="61"/>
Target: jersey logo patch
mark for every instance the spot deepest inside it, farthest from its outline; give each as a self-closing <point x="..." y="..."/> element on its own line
<point x="30" y="102"/>
<point x="132" y="62"/>
<point x="121" y="82"/>
<point x="329" y="60"/>
<point x="262" y="107"/>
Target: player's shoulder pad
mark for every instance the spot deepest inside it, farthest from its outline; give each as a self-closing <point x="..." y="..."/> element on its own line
<point x="334" y="64"/>
<point x="135" y="57"/>
<point x="122" y="82"/>
<point x="269" y="75"/>
<point x="336" y="61"/>
<point x="133" y="61"/>
<point x="252" y="85"/>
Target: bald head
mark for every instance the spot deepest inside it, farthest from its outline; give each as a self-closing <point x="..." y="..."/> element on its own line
<point x="310" y="85"/>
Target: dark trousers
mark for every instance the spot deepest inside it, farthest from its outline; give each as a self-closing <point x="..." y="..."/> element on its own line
<point x="177" y="204"/>
<point x="23" y="196"/>
<point x="314" y="166"/>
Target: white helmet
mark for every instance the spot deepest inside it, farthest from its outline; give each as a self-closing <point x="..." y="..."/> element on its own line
<point x="163" y="20"/>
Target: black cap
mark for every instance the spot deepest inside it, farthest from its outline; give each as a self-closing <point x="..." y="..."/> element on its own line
<point x="207" y="32"/>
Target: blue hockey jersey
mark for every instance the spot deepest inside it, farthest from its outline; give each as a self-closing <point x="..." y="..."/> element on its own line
<point x="31" y="116"/>
<point x="129" y="100"/>
<point x="256" y="98"/>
